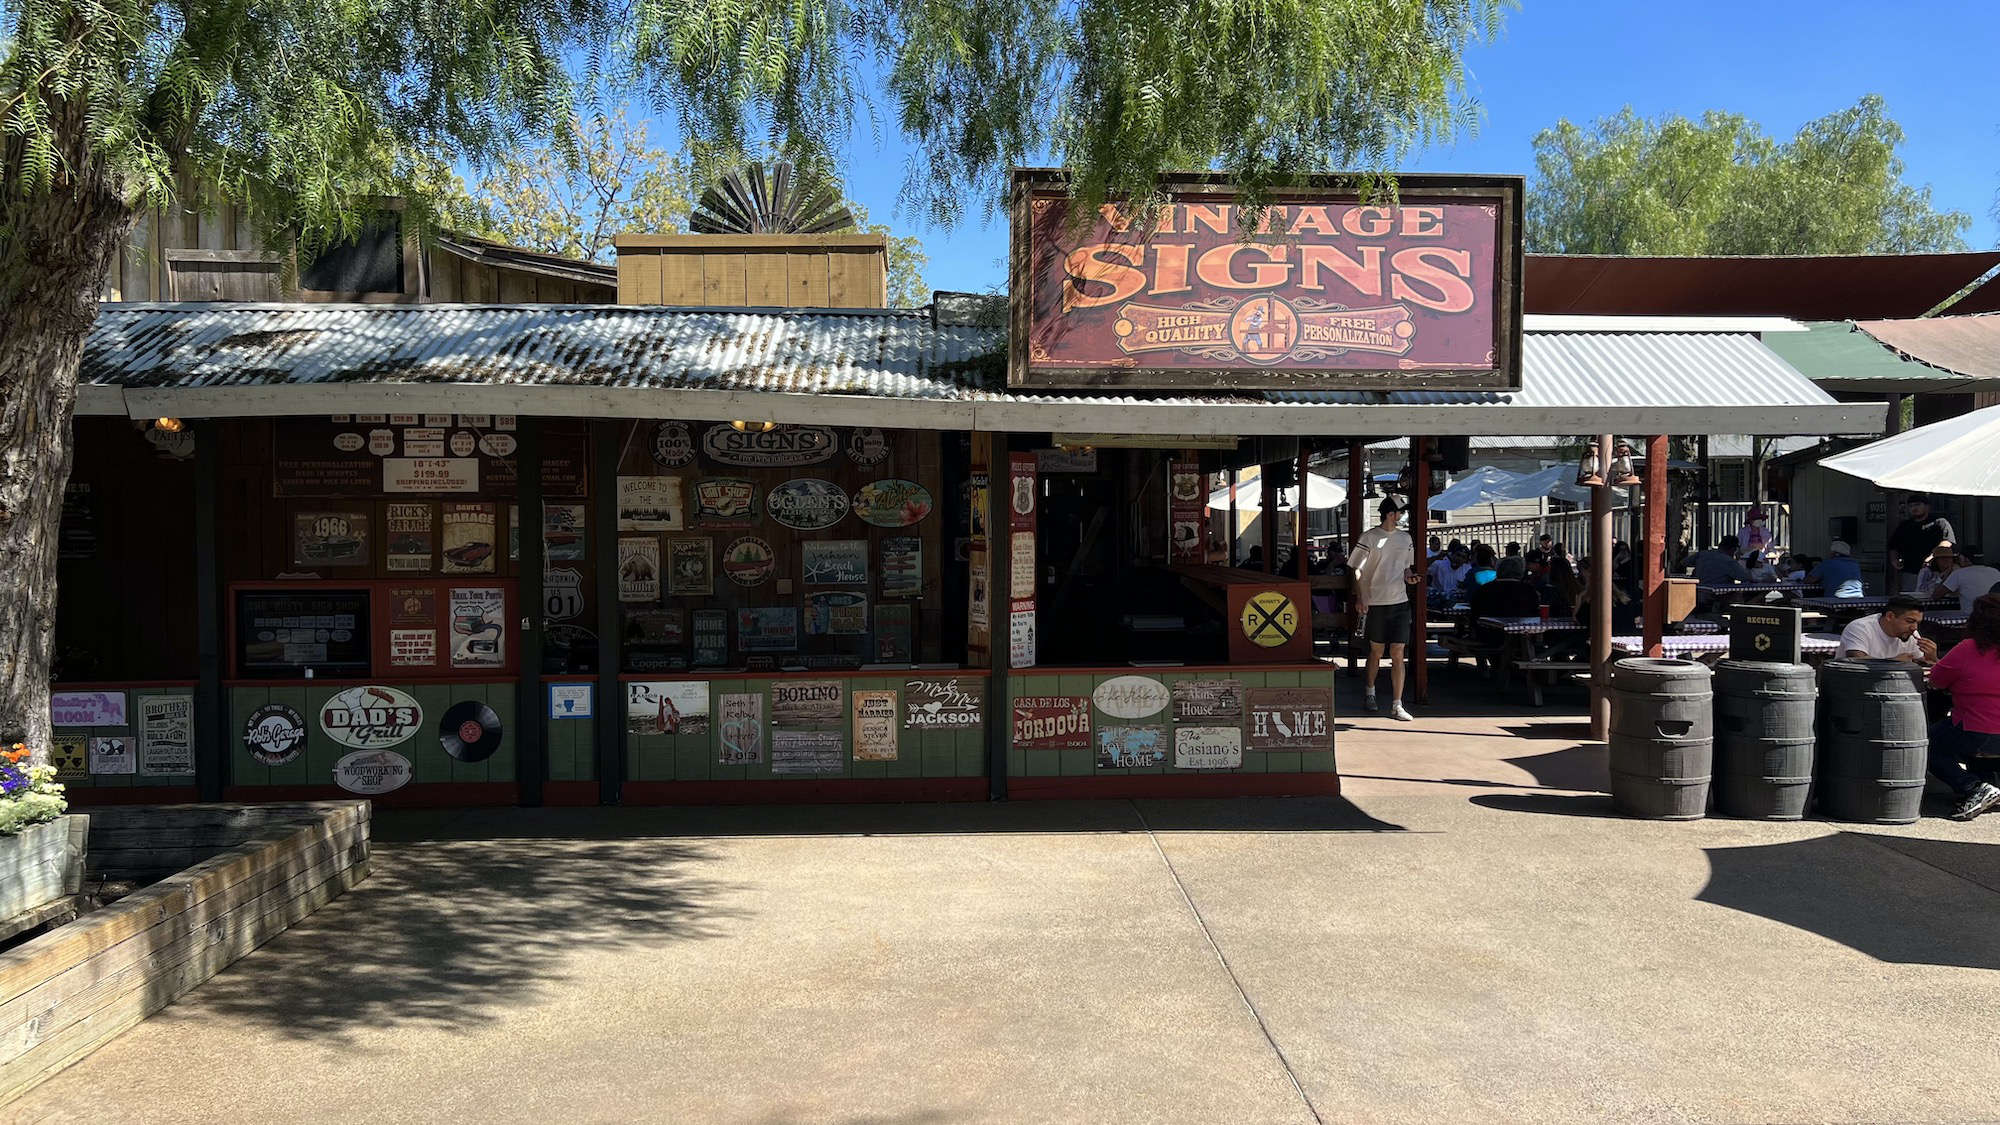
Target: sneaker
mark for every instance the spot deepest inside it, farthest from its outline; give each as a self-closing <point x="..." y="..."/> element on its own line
<point x="1397" y="713"/>
<point x="1976" y="802"/>
<point x="1368" y="701"/>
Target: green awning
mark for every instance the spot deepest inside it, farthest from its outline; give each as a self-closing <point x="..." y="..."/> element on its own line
<point x="1838" y="356"/>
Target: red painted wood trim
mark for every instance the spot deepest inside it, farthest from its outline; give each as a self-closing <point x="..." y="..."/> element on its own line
<point x="1174" y="785"/>
<point x="427" y="795"/>
<point x="808" y="674"/>
<point x="83" y="797"/>
<point x="385" y="681"/>
<point x="822" y="791"/>
<point x="123" y="685"/>
<point x="1172" y="669"/>
<point x="569" y="794"/>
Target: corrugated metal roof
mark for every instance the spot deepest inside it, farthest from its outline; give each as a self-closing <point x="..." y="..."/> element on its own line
<point x="1836" y="354"/>
<point x="1571" y="379"/>
<point x="1807" y="287"/>
<point x="1964" y="345"/>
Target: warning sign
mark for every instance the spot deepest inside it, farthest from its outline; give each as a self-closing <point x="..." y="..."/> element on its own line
<point x="1270" y="620"/>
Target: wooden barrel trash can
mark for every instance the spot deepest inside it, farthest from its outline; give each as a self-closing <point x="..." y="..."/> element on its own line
<point x="1764" y="736"/>
<point x="1874" y="741"/>
<point x="1662" y="738"/>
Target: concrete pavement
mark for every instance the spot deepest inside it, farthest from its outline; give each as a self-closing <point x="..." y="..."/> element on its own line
<point x="1487" y="945"/>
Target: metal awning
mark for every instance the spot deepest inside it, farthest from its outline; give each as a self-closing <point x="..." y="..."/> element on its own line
<point x="1839" y="356"/>
<point x="1964" y="345"/>
<point x="900" y="368"/>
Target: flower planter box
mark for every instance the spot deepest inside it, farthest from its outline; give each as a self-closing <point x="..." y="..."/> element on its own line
<point x="40" y="864"/>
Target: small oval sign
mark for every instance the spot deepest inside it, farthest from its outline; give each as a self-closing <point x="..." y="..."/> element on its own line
<point x="1131" y="697"/>
<point x="370" y="716"/>
<point x="372" y="771"/>
<point x="463" y="443"/>
<point x="274" y="734"/>
<point x="807" y="504"/>
<point x="787" y="445"/>
<point x="748" y="561"/>
<point x="892" y="503"/>
<point x="498" y="445"/>
<point x="349" y="442"/>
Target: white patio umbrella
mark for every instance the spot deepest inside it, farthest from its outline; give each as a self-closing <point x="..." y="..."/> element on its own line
<point x="1557" y="482"/>
<point x="1480" y="486"/>
<point x="1958" y="456"/>
<point x="1326" y="492"/>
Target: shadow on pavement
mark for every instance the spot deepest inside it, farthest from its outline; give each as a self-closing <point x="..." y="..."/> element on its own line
<point x="1550" y="804"/>
<point x="1242" y="814"/>
<point x="449" y="934"/>
<point x="1574" y="767"/>
<point x="1844" y="888"/>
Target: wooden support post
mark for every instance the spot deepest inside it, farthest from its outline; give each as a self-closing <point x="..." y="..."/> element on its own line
<point x="1235" y="521"/>
<point x="1601" y="502"/>
<point x="606" y="449"/>
<point x="1704" y="531"/>
<point x="211" y="705"/>
<point x="1655" y="563"/>
<point x="1357" y="462"/>
<point x="531" y="707"/>
<point x="1269" y="517"/>
<point x="1892" y="579"/>
<point x="1420" y="504"/>
<point x="989" y="455"/>
<point x="1299" y="539"/>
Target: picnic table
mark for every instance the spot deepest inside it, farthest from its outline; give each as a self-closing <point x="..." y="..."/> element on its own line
<point x="1524" y="648"/>
<point x="1749" y="591"/>
<point x="1843" y="610"/>
<point x="1709" y="649"/>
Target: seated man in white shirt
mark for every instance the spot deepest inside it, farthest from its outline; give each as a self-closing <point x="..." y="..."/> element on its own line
<point x="1957" y="574"/>
<point x="1889" y="635"/>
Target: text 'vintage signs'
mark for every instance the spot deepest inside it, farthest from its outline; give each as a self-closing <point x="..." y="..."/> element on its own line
<point x="1329" y="290"/>
<point x="786" y="445"/>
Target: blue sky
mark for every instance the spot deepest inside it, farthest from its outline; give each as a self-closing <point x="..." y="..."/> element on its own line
<point x="1779" y="62"/>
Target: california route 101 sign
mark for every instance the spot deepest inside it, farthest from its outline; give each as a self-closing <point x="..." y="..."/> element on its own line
<point x="1331" y="291"/>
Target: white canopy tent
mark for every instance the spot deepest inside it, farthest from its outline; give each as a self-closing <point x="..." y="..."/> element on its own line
<point x="1325" y="492"/>
<point x="1558" y="482"/>
<point x="1958" y="456"/>
<point x="1483" y="485"/>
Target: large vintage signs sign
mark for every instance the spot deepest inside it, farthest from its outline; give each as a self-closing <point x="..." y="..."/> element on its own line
<point x="787" y="445"/>
<point x="1328" y="291"/>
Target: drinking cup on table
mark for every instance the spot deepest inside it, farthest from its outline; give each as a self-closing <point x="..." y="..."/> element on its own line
<point x="1545" y="612"/>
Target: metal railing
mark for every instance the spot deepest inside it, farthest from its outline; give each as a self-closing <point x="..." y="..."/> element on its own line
<point x="1572" y="529"/>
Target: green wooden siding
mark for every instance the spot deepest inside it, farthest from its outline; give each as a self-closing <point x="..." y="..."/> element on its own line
<point x="1083" y="763"/>
<point x="425" y="751"/>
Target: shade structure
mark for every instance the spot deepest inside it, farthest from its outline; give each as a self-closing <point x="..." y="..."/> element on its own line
<point x="1958" y="456"/>
<point x="1326" y="492"/>
<point x="1478" y="487"/>
<point x="1558" y="482"/>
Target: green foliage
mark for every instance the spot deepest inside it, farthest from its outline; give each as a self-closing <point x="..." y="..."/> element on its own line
<point x="907" y="289"/>
<point x="1720" y="186"/>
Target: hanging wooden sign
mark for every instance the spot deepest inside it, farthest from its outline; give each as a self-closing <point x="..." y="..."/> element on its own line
<point x="786" y="445"/>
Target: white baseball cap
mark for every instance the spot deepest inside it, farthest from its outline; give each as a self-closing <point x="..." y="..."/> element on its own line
<point x="1839" y="547"/>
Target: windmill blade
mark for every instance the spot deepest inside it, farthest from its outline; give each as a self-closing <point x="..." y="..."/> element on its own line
<point x="770" y="200"/>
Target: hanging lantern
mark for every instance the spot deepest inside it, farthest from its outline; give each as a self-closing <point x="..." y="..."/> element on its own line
<point x="1590" y="470"/>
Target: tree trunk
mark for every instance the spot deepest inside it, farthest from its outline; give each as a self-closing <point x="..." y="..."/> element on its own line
<point x="55" y="249"/>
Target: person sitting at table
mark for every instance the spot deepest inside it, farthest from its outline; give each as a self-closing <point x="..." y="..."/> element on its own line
<point x="1625" y="604"/>
<point x="1502" y="597"/>
<point x="1838" y="575"/>
<point x="1565" y="588"/>
<point x="1793" y="567"/>
<point x="1252" y="561"/>
<point x="1890" y="634"/>
<point x="1755" y="536"/>
<point x="1958" y="575"/>
<point x="1971" y="735"/>
<point x="1718" y="566"/>
<point x="1913" y="541"/>
<point x="1513" y="565"/>
<point x="1933" y="570"/>
<point x="1483" y="568"/>
<point x="1759" y="568"/>
<point x="1448" y="574"/>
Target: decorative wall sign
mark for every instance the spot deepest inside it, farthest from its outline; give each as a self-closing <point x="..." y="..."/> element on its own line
<point x="710" y="632"/>
<point x="807" y="752"/>
<point x="330" y="538"/>
<point x="496" y="445"/>
<point x="1208" y="748"/>
<point x="478" y="627"/>
<point x="1066" y="460"/>
<point x="1052" y="722"/>
<point x="369" y="772"/>
<point x="87" y="708"/>
<point x="1131" y="747"/>
<point x="1269" y="619"/>
<point x="1021" y="565"/>
<point x="725" y="502"/>
<point x="70" y="755"/>
<point x="1289" y="718"/>
<point x="274" y="734"/>
<point x="427" y="444"/>
<point x="430" y="474"/>
<point x="892" y="503"/>
<point x="470" y="731"/>
<point x="1131" y="697"/>
<point x="166" y="734"/>
<point x="638" y="568"/>
<point x="562" y="593"/>
<point x="412" y="540"/>
<point x="804" y="703"/>
<point x="349" y="441"/>
<point x="867" y="446"/>
<point x="666" y="707"/>
<point x="1021" y="635"/>
<point x="767" y="629"/>
<point x="370" y="716"/>
<point x="514" y="533"/>
<point x="280" y="633"/>
<point x="834" y="562"/>
<point x="978" y="508"/>
<point x="807" y="504"/>
<point x="563" y="532"/>
<point x="875" y="725"/>
<point x="740" y="730"/>
<point x="786" y="445"/>
<point x="979" y="600"/>
<point x="691" y="567"/>
<point x="673" y="445"/>
<point x="572" y="701"/>
<point x="650" y="504"/>
<point x="1195" y="700"/>
<point x="413" y="648"/>
<point x="952" y="703"/>
<point x="839" y="614"/>
<point x="112" y="755"/>
<point x="464" y="442"/>
<point x="902" y="566"/>
<point x="381" y="442"/>
<point x="412" y="605"/>
<point x="1021" y="491"/>
<point x="749" y="561"/>
<point x="894" y="628"/>
<point x="468" y="538"/>
<point x="1187" y="497"/>
<point x="651" y="638"/>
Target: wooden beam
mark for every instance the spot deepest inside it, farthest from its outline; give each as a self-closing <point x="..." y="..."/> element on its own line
<point x="1601" y="504"/>
<point x="530" y="699"/>
<point x="609" y="709"/>
<point x="1420" y="502"/>
<point x="1655" y="575"/>
<point x="1269" y="517"/>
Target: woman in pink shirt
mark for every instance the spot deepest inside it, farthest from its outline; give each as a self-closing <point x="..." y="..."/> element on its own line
<point x="1971" y="673"/>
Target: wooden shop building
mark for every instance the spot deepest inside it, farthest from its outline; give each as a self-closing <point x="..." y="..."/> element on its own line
<point x="747" y="535"/>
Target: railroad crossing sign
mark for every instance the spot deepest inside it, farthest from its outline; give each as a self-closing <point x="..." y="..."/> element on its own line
<point x="1270" y="619"/>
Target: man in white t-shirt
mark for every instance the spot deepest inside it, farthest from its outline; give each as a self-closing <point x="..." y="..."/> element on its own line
<point x="1890" y="635"/>
<point x="1957" y="574"/>
<point x="1384" y="563"/>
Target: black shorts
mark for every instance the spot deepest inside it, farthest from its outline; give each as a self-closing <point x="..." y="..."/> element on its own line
<point x="1389" y="624"/>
